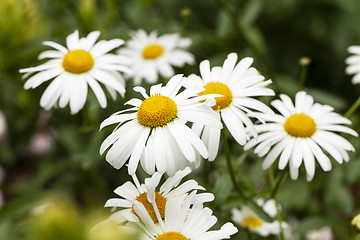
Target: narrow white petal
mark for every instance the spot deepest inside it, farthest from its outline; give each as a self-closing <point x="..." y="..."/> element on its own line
<point x="322" y="159"/>
<point x="137" y="151"/>
<point x="182" y="142"/>
<point x="96" y="88"/>
<point x="236" y="129"/>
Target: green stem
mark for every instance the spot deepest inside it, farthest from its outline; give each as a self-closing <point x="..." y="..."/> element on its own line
<point x="275" y="187"/>
<point x="303" y="74"/>
<point x="229" y="163"/>
<point x="353" y="108"/>
<point x="246" y="199"/>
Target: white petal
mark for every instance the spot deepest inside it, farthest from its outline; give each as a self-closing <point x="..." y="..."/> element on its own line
<point x="72" y="41"/>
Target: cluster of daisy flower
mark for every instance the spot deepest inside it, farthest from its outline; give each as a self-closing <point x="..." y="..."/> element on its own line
<point x="176" y="124"/>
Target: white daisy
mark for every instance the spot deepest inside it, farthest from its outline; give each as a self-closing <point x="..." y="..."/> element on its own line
<point x="72" y="69"/>
<point x="153" y="131"/>
<point x="170" y="188"/>
<point x="302" y="133"/>
<point x="153" y="55"/>
<point x="183" y="221"/>
<point x="248" y="219"/>
<point x="238" y="83"/>
<point x="354" y="63"/>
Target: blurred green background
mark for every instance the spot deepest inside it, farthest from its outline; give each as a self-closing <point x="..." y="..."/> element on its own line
<point x="276" y="33"/>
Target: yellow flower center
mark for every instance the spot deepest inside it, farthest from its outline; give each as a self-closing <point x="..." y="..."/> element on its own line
<point x="171" y="236"/>
<point x="152" y="51"/>
<point x="300" y="125"/>
<point x="78" y="61"/>
<point x="160" y="202"/>
<point x="157" y="111"/>
<point x="218" y="88"/>
<point x="252" y="222"/>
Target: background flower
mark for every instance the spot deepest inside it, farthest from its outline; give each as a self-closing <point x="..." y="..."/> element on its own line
<point x="248" y="219"/>
<point x="155" y="55"/>
<point x="72" y="69"/>
<point x="353" y="63"/>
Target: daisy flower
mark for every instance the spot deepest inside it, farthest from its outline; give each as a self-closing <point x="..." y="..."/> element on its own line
<point x="248" y="219"/>
<point x="183" y="221"/>
<point x="153" y="55"/>
<point x="154" y="132"/>
<point x="238" y="84"/>
<point x="72" y="69"/>
<point x="353" y="63"/>
<point x="170" y="188"/>
<point x="303" y="132"/>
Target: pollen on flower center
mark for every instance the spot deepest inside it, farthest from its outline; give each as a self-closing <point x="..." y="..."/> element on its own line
<point x="160" y="202"/>
<point x="218" y="88"/>
<point x="152" y="51"/>
<point x="300" y="125"/>
<point x="171" y="236"/>
<point x="252" y="222"/>
<point x="157" y="111"/>
<point x="78" y="61"/>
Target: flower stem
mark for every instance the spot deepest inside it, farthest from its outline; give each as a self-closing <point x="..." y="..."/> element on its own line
<point x="353" y="108"/>
<point x="246" y="199"/>
<point x="275" y="187"/>
<point x="229" y="163"/>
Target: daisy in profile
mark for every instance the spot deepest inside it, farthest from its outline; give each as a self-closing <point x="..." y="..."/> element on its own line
<point x="153" y="130"/>
<point x="183" y="221"/>
<point x="153" y="55"/>
<point x="248" y="219"/>
<point x="238" y="83"/>
<point x="170" y="188"/>
<point x="353" y="63"/>
<point x="71" y="70"/>
<point x="302" y="133"/>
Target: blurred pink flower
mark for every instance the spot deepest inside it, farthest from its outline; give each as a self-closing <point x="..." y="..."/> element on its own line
<point x="41" y="143"/>
<point x="3" y="126"/>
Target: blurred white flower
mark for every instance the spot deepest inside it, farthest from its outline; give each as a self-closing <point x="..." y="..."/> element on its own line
<point x="238" y="83"/>
<point x="183" y="221"/>
<point x="324" y="233"/>
<point x="302" y="133"/>
<point x="72" y="69"/>
<point x="153" y="55"/>
<point x="353" y="63"/>
<point x="170" y="188"/>
<point x="154" y="132"/>
<point x="248" y="219"/>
